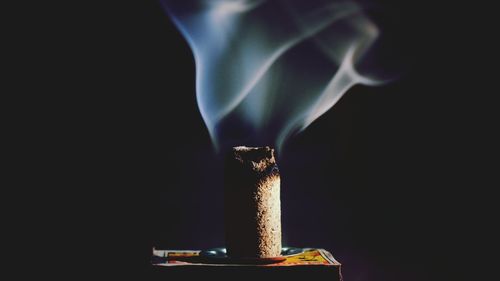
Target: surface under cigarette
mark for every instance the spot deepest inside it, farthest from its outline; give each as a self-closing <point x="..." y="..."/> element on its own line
<point x="252" y="203"/>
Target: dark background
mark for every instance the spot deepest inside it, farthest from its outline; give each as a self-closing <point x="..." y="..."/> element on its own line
<point x="386" y="180"/>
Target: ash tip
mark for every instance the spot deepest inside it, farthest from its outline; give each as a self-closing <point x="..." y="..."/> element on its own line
<point x="252" y="148"/>
<point x="252" y="152"/>
<point x="259" y="157"/>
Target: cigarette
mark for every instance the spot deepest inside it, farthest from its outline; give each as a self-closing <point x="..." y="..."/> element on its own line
<point x="252" y="203"/>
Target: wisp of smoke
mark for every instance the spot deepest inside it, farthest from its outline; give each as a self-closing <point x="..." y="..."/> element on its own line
<point x="267" y="69"/>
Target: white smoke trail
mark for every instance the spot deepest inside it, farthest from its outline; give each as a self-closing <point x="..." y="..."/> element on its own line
<point x="242" y="49"/>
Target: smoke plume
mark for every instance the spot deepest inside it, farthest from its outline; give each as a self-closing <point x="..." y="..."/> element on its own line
<point x="267" y="69"/>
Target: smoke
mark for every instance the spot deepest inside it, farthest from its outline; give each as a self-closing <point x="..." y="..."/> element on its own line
<point x="267" y="69"/>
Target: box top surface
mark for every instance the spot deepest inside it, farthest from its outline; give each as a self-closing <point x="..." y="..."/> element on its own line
<point x="310" y="256"/>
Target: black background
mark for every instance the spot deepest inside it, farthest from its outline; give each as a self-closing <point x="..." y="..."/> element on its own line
<point x="383" y="180"/>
